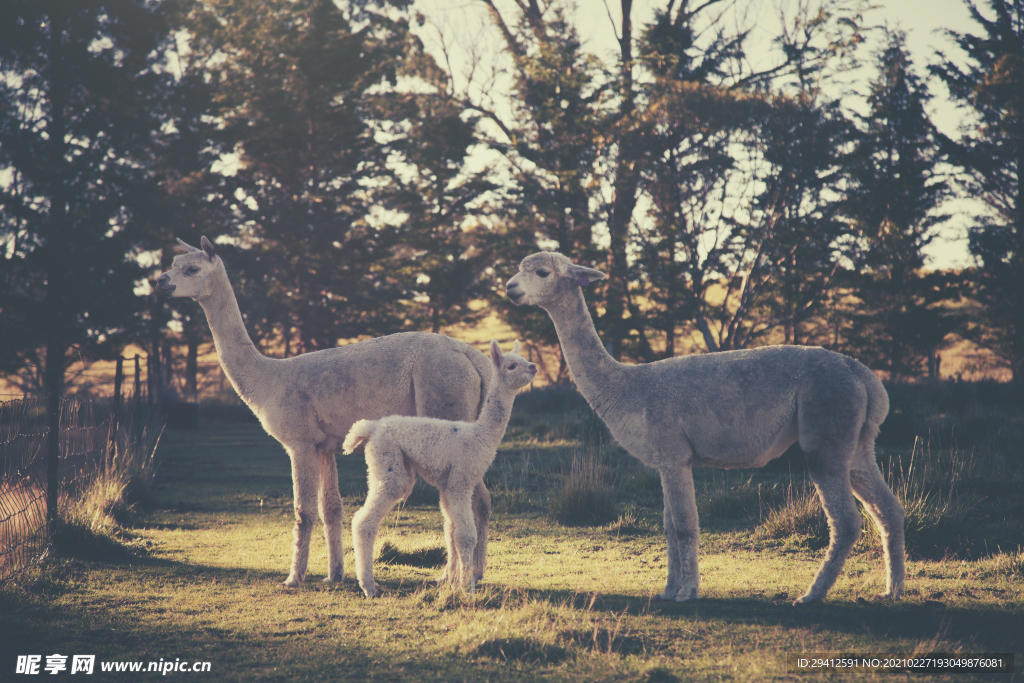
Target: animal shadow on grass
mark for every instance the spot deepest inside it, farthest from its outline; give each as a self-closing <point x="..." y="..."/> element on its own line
<point x="989" y="628"/>
<point x="176" y="569"/>
<point x="428" y="557"/>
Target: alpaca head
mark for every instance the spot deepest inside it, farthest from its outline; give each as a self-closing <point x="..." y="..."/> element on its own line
<point x="546" y="278"/>
<point x="513" y="371"/>
<point x="191" y="273"/>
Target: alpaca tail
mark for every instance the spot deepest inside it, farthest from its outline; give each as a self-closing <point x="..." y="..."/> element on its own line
<point x="359" y="434"/>
<point x="878" y="402"/>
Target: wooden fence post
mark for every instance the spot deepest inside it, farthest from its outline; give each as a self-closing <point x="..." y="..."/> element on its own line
<point x="52" y="455"/>
<point x="138" y="387"/>
<point x="116" y="417"/>
<point x="149" y="381"/>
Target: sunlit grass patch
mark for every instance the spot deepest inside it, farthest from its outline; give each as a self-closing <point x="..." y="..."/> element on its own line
<point x="1010" y="564"/>
<point x="557" y="603"/>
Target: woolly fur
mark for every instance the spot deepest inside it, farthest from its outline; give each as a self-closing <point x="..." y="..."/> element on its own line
<point x="453" y="456"/>
<point x="309" y="402"/>
<point x="730" y="409"/>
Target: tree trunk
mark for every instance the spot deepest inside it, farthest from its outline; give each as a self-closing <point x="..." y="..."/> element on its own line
<point x="57" y="244"/>
<point x="624" y="200"/>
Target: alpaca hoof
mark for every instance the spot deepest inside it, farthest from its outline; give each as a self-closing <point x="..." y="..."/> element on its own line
<point x="667" y="595"/>
<point x="686" y="595"/>
<point x="373" y="591"/>
<point x="292" y="582"/>
<point x="806" y="599"/>
<point x="335" y="578"/>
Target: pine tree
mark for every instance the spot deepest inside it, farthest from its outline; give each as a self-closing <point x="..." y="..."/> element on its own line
<point x="450" y="227"/>
<point x="896" y="191"/>
<point x="78" y="104"/>
<point x="741" y="170"/>
<point x="991" y="152"/>
<point x="550" y="132"/>
<point x="297" y="83"/>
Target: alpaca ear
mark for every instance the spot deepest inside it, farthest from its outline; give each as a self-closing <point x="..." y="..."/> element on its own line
<point x="208" y="249"/>
<point x="584" y="276"/>
<point x="188" y="248"/>
<point x="515" y="347"/>
<point x="495" y="354"/>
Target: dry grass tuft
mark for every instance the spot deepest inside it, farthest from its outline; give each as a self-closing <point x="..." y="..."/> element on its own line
<point x="585" y="498"/>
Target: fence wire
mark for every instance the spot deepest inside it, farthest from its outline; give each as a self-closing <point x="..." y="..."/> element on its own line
<point x="85" y="432"/>
<point x="24" y="537"/>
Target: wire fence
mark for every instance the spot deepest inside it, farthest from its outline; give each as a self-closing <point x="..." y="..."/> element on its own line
<point x="87" y="431"/>
<point x="24" y="536"/>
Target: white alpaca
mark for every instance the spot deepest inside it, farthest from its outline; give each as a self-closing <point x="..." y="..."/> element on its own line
<point x="308" y="402"/>
<point x="453" y="456"/>
<point x="730" y="409"/>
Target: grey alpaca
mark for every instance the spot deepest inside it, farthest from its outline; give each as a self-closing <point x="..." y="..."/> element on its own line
<point x="308" y="402"/>
<point x="453" y="456"/>
<point x="730" y="409"/>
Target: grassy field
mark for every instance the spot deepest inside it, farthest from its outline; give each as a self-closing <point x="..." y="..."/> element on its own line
<point x="576" y="554"/>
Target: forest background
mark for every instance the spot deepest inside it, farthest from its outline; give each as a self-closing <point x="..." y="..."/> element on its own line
<point x="366" y="168"/>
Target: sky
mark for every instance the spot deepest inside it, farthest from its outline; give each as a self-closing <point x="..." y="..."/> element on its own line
<point x="598" y="22"/>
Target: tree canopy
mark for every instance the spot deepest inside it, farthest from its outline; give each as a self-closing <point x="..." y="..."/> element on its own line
<point x="359" y="183"/>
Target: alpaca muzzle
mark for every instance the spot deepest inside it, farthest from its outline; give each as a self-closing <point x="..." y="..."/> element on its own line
<point x="164" y="286"/>
<point x="512" y="292"/>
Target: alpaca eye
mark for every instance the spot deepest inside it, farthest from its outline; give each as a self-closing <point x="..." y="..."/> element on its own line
<point x="512" y="367"/>
<point x="543" y="273"/>
<point x="191" y="270"/>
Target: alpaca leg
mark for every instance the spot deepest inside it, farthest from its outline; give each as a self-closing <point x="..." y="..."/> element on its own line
<point x="387" y="485"/>
<point x="682" y="532"/>
<point x="365" y="525"/>
<point x="333" y="515"/>
<point x="674" y="565"/>
<point x="304" y="482"/>
<point x="844" y="526"/>
<point x="450" y="573"/>
<point x="481" y="516"/>
<point x="451" y="570"/>
<point x="885" y="509"/>
<point x="464" y="537"/>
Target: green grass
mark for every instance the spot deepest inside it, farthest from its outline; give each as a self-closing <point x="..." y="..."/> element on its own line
<point x="559" y="603"/>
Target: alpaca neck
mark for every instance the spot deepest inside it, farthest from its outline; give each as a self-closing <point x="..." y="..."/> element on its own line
<point x="493" y="420"/>
<point x="593" y="369"/>
<point x="242" y="362"/>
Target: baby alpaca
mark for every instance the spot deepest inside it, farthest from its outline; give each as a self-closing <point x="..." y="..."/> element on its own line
<point x="453" y="456"/>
